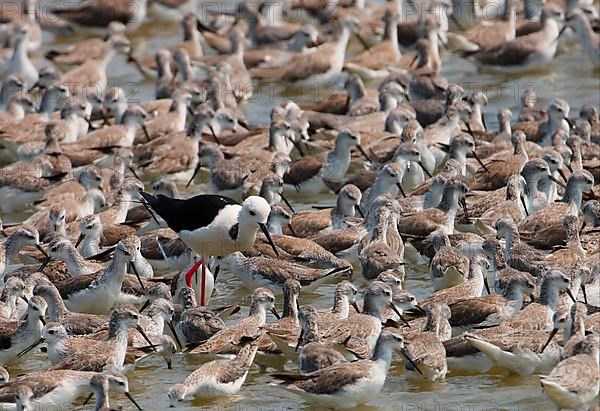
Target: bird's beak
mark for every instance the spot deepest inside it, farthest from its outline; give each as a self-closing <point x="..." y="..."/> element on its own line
<point x="363" y="152"/>
<point x="41" y="250"/>
<point x="393" y="307"/>
<point x="44" y="264"/>
<point x="299" y="340"/>
<point x="571" y="296"/>
<point x="356" y="308"/>
<point x="275" y="313"/>
<point x="401" y="189"/>
<point x="524" y="205"/>
<point x="79" y="240"/>
<point x="424" y="169"/>
<point x="145" y="130"/>
<point x="487" y="286"/>
<point x="31" y="347"/>
<point x="552" y="334"/>
<point x="359" y="211"/>
<point x="411" y="361"/>
<point x="287" y="203"/>
<point x="133" y="401"/>
<point x="138" y="277"/>
<point x="265" y="231"/>
<point x="144" y="306"/>
<point x="141" y="331"/>
<point x="172" y="328"/>
<point x="584" y="293"/>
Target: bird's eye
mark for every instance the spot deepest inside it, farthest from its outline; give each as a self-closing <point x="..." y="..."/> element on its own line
<point x="411" y="298"/>
<point x="51" y="332"/>
<point x="53" y="249"/>
<point x="271" y="299"/>
<point x="252" y="213"/>
<point x="89" y="227"/>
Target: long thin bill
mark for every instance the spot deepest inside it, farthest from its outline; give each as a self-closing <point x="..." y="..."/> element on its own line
<point x="562" y="174"/>
<point x="44" y="264"/>
<point x="41" y="250"/>
<point x="287" y="203"/>
<point x="144" y="306"/>
<point x="355" y="306"/>
<point x="360" y="211"/>
<point x="31" y="347"/>
<point x="480" y="162"/>
<point x="584" y="293"/>
<point x="560" y="183"/>
<point x="145" y="130"/>
<point x="292" y="230"/>
<point x="363" y="152"/>
<point x="172" y="328"/>
<point x="401" y="189"/>
<point x="265" y="231"/>
<point x="411" y="362"/>
<point x="524" y="206"/>
<point x="79" y="240"/>
<point x="138" y="277"/>
<point x="275" y="313"/>
<point x="214" y="135"/>
<point x="393" y="307"/>
<point x="487" y="286"/>
<point x="571" y="296"/>
<point x="141" y="331"/>
<point x="425" y="169"/>
<point x="552" y="334"/>
<point x="194" y="174"/>
<point x="299" y="340"/>
<point x="133" y="401"/>
<point x="363" y="42"/>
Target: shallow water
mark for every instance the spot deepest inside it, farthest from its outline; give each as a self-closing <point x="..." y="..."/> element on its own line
<point x="568" y="76"/>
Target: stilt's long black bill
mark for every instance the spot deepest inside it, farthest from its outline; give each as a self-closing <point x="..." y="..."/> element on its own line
<point x="487" y="285"/>
<point x="552" y="334"/>
<point x="79" y="240"/>
<point x="265" y="231"/>
<point x="41" y="250"/>
<point x="287" y="203"/>
<point x="295" y="144"/>
<point x="31" y="347"/>
<point x="401" y="189"/>
<point x="89" y="397"/>
<point x="363" y="42"/>
<point x="524" y="206"/>
<point x="194" y="174"/>
<point x="214" y="135"/>
<point x="363" y="152"/>
<point x="299" y="340"/>
<point x="44" y="264"/>
<point x="562" y="174"/>
<point x="355" y="306"/>
<point x="571" y="296"/>
<point x="480" y="162"/>
<point x="393" y="307"/>
<point x="144" y="306"/>
<point x="425" y="169"/>
<point x="411" y="362"/>
<point x="133" y="401"/>
<point x="149" y="210"/>
<point x="216" y="272"/>
<point x="135" y="174"/>
<point x="145" y="130"/>
<point x="360" y="211"/>
<point x="275" y="313"/>
<point x="138" y="277"/>
<point x="560" y="183"/>
<point x="584" y="293"/>
<point x="172" y="328"/>
<point x="292" y="230"/>
<point x="141" y="331"/>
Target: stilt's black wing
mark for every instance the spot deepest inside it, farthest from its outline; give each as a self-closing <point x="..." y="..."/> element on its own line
<point x="190" y="214"/>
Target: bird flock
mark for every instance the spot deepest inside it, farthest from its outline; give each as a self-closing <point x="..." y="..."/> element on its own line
<point x="122" y="218"/>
